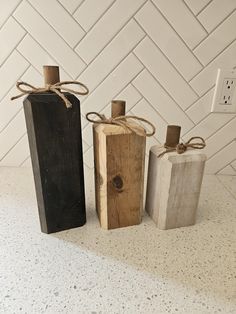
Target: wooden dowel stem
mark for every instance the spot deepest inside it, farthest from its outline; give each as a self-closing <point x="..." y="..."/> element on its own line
<point x="172" y="135"/>
<point x="51" y="74"/>
<point x="117" y="108"/>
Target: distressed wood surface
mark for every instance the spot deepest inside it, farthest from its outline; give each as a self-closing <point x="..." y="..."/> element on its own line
<point x="119" y="176"/>
<point x="173" y="187"/>
<point x="56" y="151"/>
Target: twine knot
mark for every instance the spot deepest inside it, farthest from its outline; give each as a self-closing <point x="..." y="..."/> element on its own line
<point x="182" y="147"/>
<point x="124" y="122"/>
<point x="56" y="88"/>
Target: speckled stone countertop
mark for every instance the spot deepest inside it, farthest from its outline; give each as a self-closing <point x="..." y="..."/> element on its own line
<point x="133" y="270"/>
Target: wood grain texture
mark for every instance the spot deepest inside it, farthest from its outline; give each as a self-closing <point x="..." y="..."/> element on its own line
<point x="119" y="176"/>
<point x="173" y="187"/>
<point x="56" y="150"/>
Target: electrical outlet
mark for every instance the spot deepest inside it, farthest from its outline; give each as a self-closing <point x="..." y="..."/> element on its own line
<point x="228" y="90"/>
<point x="224" y="99"/>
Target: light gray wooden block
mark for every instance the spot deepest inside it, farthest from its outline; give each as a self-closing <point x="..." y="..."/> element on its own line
<point x="173" y="187"/>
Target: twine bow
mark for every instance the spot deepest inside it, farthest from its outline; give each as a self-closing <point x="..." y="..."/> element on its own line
<point x="56" y="88"/>
<point x="123" y="121"/>
<point x="182" y="147"/>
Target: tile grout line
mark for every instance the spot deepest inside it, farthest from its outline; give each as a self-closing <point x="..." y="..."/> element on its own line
<point x="107" y="44"/>
<point x="91" y="29"/>
<point x="83" y="140"/>
<point x="11" y="14"/>
<point x="114" y="68"/>
<point x="227" y="165"/>
<point x="155" y="110"/>
<point x="30" y="64"/>
<point x="200" y="97"/>
<point x="135" y="102"/>
<point x="28" y="157"/>
<point x="118" y="93"/>
<point x="11" y="119"/>
<point x="221" y="22"/>
<point x="144" y="98"/>
<point x="206" y="138"/>
<point x="225" y="48"/>
<point x="14" y="48"/>
<point x="230" y="192"/>
<point x="71" y="16"/>
<point x="218" y="54"/>
<point x="178" y="35"/>
<point x="210" y="33"/>
<point x="222" y="147"/>
<point x="46" y="53"/>
<point x="54" y="31"/>
<point x="165" y="90"/>
<point x="204" y="7"/>
<point x="206" y="116"/>
<point x="8" y="90"/>
<point x="19" y="139"/>
<point x="77" y="7"/>
<point x="194" y="16"/>
<point x="36" y="40"/>
<point x="88" y="30"/>
<point x="142" y="123"/>
<point x="171" y="63"/>
<point x="222" y="127"/>
<point x="232" y="165"/>
<point x="27" y="33"/>
<point x="116" y="33"/>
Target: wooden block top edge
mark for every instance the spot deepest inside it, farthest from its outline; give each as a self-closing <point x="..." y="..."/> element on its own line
<point x="188" y="155"/>
<point x="112" y="129"/>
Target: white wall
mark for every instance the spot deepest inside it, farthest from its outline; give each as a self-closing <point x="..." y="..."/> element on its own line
<point x="161" y="56"/>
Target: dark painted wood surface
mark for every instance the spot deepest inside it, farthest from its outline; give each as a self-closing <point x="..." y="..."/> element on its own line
<point x="56" y="151"/>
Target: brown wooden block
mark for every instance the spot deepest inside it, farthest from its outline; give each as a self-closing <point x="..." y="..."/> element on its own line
<point x="119" y="174"/>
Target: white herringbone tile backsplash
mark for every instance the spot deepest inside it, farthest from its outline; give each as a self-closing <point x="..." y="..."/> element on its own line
<point x="161" y="56"/>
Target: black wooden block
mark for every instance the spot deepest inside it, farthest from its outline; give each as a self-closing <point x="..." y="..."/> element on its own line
<point x="55" y="141"/>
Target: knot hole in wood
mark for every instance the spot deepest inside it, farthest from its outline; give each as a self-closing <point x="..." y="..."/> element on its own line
<point x="117" y="182"/>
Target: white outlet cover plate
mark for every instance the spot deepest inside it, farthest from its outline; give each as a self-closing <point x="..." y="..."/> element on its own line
<point x="217" y="105"/>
